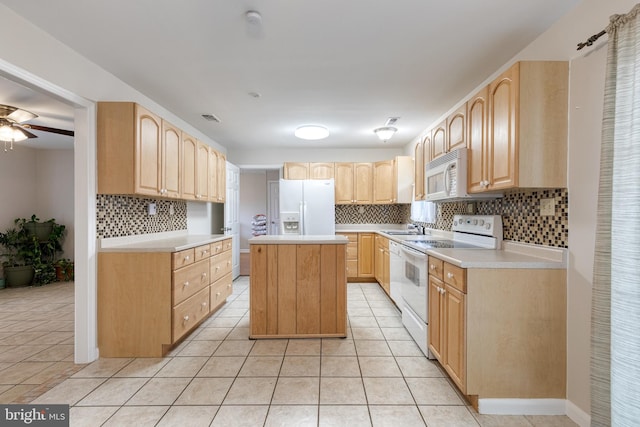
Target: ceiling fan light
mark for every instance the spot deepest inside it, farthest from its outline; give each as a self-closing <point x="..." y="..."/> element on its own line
<point x="11" y="133"/>
<point x="385" y="133"/>
<point x="311" y="132"/>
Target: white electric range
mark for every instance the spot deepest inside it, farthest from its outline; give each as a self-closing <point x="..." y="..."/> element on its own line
<point x="409" y="270"/>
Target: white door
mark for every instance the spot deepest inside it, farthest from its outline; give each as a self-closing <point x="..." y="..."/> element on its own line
<point x="231" y="215"/>
<point x="274" y="207"/>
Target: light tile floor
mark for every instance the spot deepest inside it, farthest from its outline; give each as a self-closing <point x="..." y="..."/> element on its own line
<point x="218" y="377"/>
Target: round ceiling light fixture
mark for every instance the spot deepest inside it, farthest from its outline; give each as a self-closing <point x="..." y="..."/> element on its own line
<point x="311" y="132"/>
<point x="385" y="133"/>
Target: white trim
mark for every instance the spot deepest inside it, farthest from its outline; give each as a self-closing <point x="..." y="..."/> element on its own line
<point x="577" y="415"/>
<point x="86" y="348"/>
<point x="522" y="406"/>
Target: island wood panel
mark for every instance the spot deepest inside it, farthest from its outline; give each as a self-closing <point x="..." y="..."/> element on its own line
<point x="298" y="290"/>
<point x="130" y="288"/>
<point x="285" y="296"/>
<point x="308" y="291"/>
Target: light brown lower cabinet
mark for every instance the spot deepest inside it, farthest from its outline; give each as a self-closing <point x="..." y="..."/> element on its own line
<point x="298" y="291"/>
<point x="382" y="261"/>
<point x="149" y="301"/>
<point x="499" y="333"/>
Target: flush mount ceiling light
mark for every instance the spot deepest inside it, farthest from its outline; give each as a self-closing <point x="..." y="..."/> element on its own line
<point x="385" y="133"/>
<point x="311" y="132"/>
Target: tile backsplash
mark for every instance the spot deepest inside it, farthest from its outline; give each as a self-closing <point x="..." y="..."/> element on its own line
<point x="120" y="216"/>
<point x="521" y="217"/>
<point x="372" y="214"/>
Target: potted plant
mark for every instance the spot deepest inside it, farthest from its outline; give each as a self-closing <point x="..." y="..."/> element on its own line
<point x="64" y="269"/>
<point x="31" y="254"/>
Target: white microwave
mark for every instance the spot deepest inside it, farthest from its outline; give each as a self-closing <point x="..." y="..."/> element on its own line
<point x="445" y="178"/>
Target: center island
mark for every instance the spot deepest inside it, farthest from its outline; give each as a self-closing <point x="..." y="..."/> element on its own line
<point x="298" y="286"/>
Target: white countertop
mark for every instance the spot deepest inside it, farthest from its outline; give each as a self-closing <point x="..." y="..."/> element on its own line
<point x="158" y="242"/>
<point x="368" y="228"/>
<point x="489" y="258"/>
<point x="298" y="240"/>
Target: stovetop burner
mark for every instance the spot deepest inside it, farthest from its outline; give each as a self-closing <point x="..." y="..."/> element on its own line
<point x="442" y="244"/>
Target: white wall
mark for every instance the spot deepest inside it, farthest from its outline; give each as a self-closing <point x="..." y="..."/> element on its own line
<point x="253" y="200"/>
<point x="54" y="192"/>
<point x="271" y="157"/>
<point x="18" y="183"/>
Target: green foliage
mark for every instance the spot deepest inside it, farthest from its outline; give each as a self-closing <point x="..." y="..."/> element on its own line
<point x="22" y="247"/>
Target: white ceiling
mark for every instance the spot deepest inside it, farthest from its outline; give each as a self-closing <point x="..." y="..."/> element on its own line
<point x="345" y="64"/>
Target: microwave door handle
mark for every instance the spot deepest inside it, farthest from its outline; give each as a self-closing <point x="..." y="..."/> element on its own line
<point x="447" y="172"/>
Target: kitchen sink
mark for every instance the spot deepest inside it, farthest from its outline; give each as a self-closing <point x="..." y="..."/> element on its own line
<point x="401" y="232"/>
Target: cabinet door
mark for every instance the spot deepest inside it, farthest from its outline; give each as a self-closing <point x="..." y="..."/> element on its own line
<point x="384" y="182"/>
<point x="321" y="171"/>
<point x="435" y="316"/>
<point x="148" y="152"/>
<point x="439" y="140"/>
<point x="202" y="188"/>
<point x="221" y="174"/>
<point x="503" y="125"/>
<point x="296" y="170"/>
<point x="477" y="140"/>
<point x="363" y="180"/>
<point x="344" y="173"/>
<point x="189" y="169"/>
<point x="366" y="250"/>
<point x="386" y="271"/>
<point x="418" y="171"/>
<point x="456" y="128"/>
<point x="171" y="160"/>
<point x="379" y="259"/>
<point x="455" y="338"/>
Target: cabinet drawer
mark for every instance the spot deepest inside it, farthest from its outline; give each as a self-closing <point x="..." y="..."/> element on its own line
<point x="216" y="248"/>
<point x="226" y="245"/>
<point x="183" y="258"/>
<point x="220" y="290"/>
<point x="352" y="237"/>
<point x="435" y="267"/>
<point x="189" y="280"/>
<point x="220" y="265"/>
<point x="202" y="252"/>
<point x="352" y="251"/>
<point x="455" y="277"/>
<point x="189" y="313"/>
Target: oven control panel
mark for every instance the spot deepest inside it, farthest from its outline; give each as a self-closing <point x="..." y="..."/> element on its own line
<point x="485" y="225"/>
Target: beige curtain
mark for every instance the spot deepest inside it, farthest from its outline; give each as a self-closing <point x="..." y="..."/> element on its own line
<point x="615" y="340"/>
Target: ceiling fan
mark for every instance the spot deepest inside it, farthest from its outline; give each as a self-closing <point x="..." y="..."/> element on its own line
<point x="13" y="128"/>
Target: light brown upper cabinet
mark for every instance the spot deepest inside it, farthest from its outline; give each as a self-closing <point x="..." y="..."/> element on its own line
<point x="456" y="128"/>
<point x="418" y="170"/>
<point x="212" y="175"/>
<point x="204" y="172"/>
<point x="354" y="183"/>
<point x="477" y="139"/>
<point x="393" y="180"/>
<point x="439" y="140"/>
<point x="221" y="177"/>
<point x="131" y="152"/>
<point x="171" y="164"/>
<point x="293" y="170"/>
<point x="321" y="171"/>
<point x="189" y="166"/>
<point x="526" y="143"/>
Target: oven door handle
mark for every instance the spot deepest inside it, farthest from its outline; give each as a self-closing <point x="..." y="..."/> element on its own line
<point x="413" y="252"/>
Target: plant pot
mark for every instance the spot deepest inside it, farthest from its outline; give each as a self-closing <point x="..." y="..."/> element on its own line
<point x="42" y="230"/>
<point x="19" y="276"/>
<point x="61" y="273"/>
<point x="70" y="272"/>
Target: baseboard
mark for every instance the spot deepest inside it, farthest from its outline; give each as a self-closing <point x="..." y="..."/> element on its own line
<point x="577" y="415"/>
<point x="522" y="406"/>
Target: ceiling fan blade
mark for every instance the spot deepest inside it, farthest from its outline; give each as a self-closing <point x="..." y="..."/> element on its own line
<point x="26" y="132"/>
<point x="48" y="129"/>
<point x="16" y="114"/>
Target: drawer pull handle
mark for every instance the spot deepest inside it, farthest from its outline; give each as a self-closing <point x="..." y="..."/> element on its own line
<point x="186" y="284"/>
<point x="187" y="258"/>
<point x="432" y="267"/>
<point x="449" y="275"/>
<point x="204" y="252"/>
<point x="204" y="304"/>
<point x="218" y="248"/>
<point x="229" y="286"/>
<point x="186" y="318"/>
<point x="217" y="294"/>
<point x="204" y="275"/>
<point x="217" y="268"/>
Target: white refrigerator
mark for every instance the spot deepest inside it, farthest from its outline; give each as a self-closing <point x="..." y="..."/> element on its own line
<point x="307" y="206"/>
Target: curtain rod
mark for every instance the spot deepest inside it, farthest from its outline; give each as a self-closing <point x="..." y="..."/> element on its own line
<point x="591" y="39"/>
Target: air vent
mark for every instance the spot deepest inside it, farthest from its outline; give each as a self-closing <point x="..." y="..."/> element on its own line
<point x="211" y="118"/>
<point x="391" y="121"/>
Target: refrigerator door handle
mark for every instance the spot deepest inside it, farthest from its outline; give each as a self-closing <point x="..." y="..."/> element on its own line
<point x="303" y="211"/>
